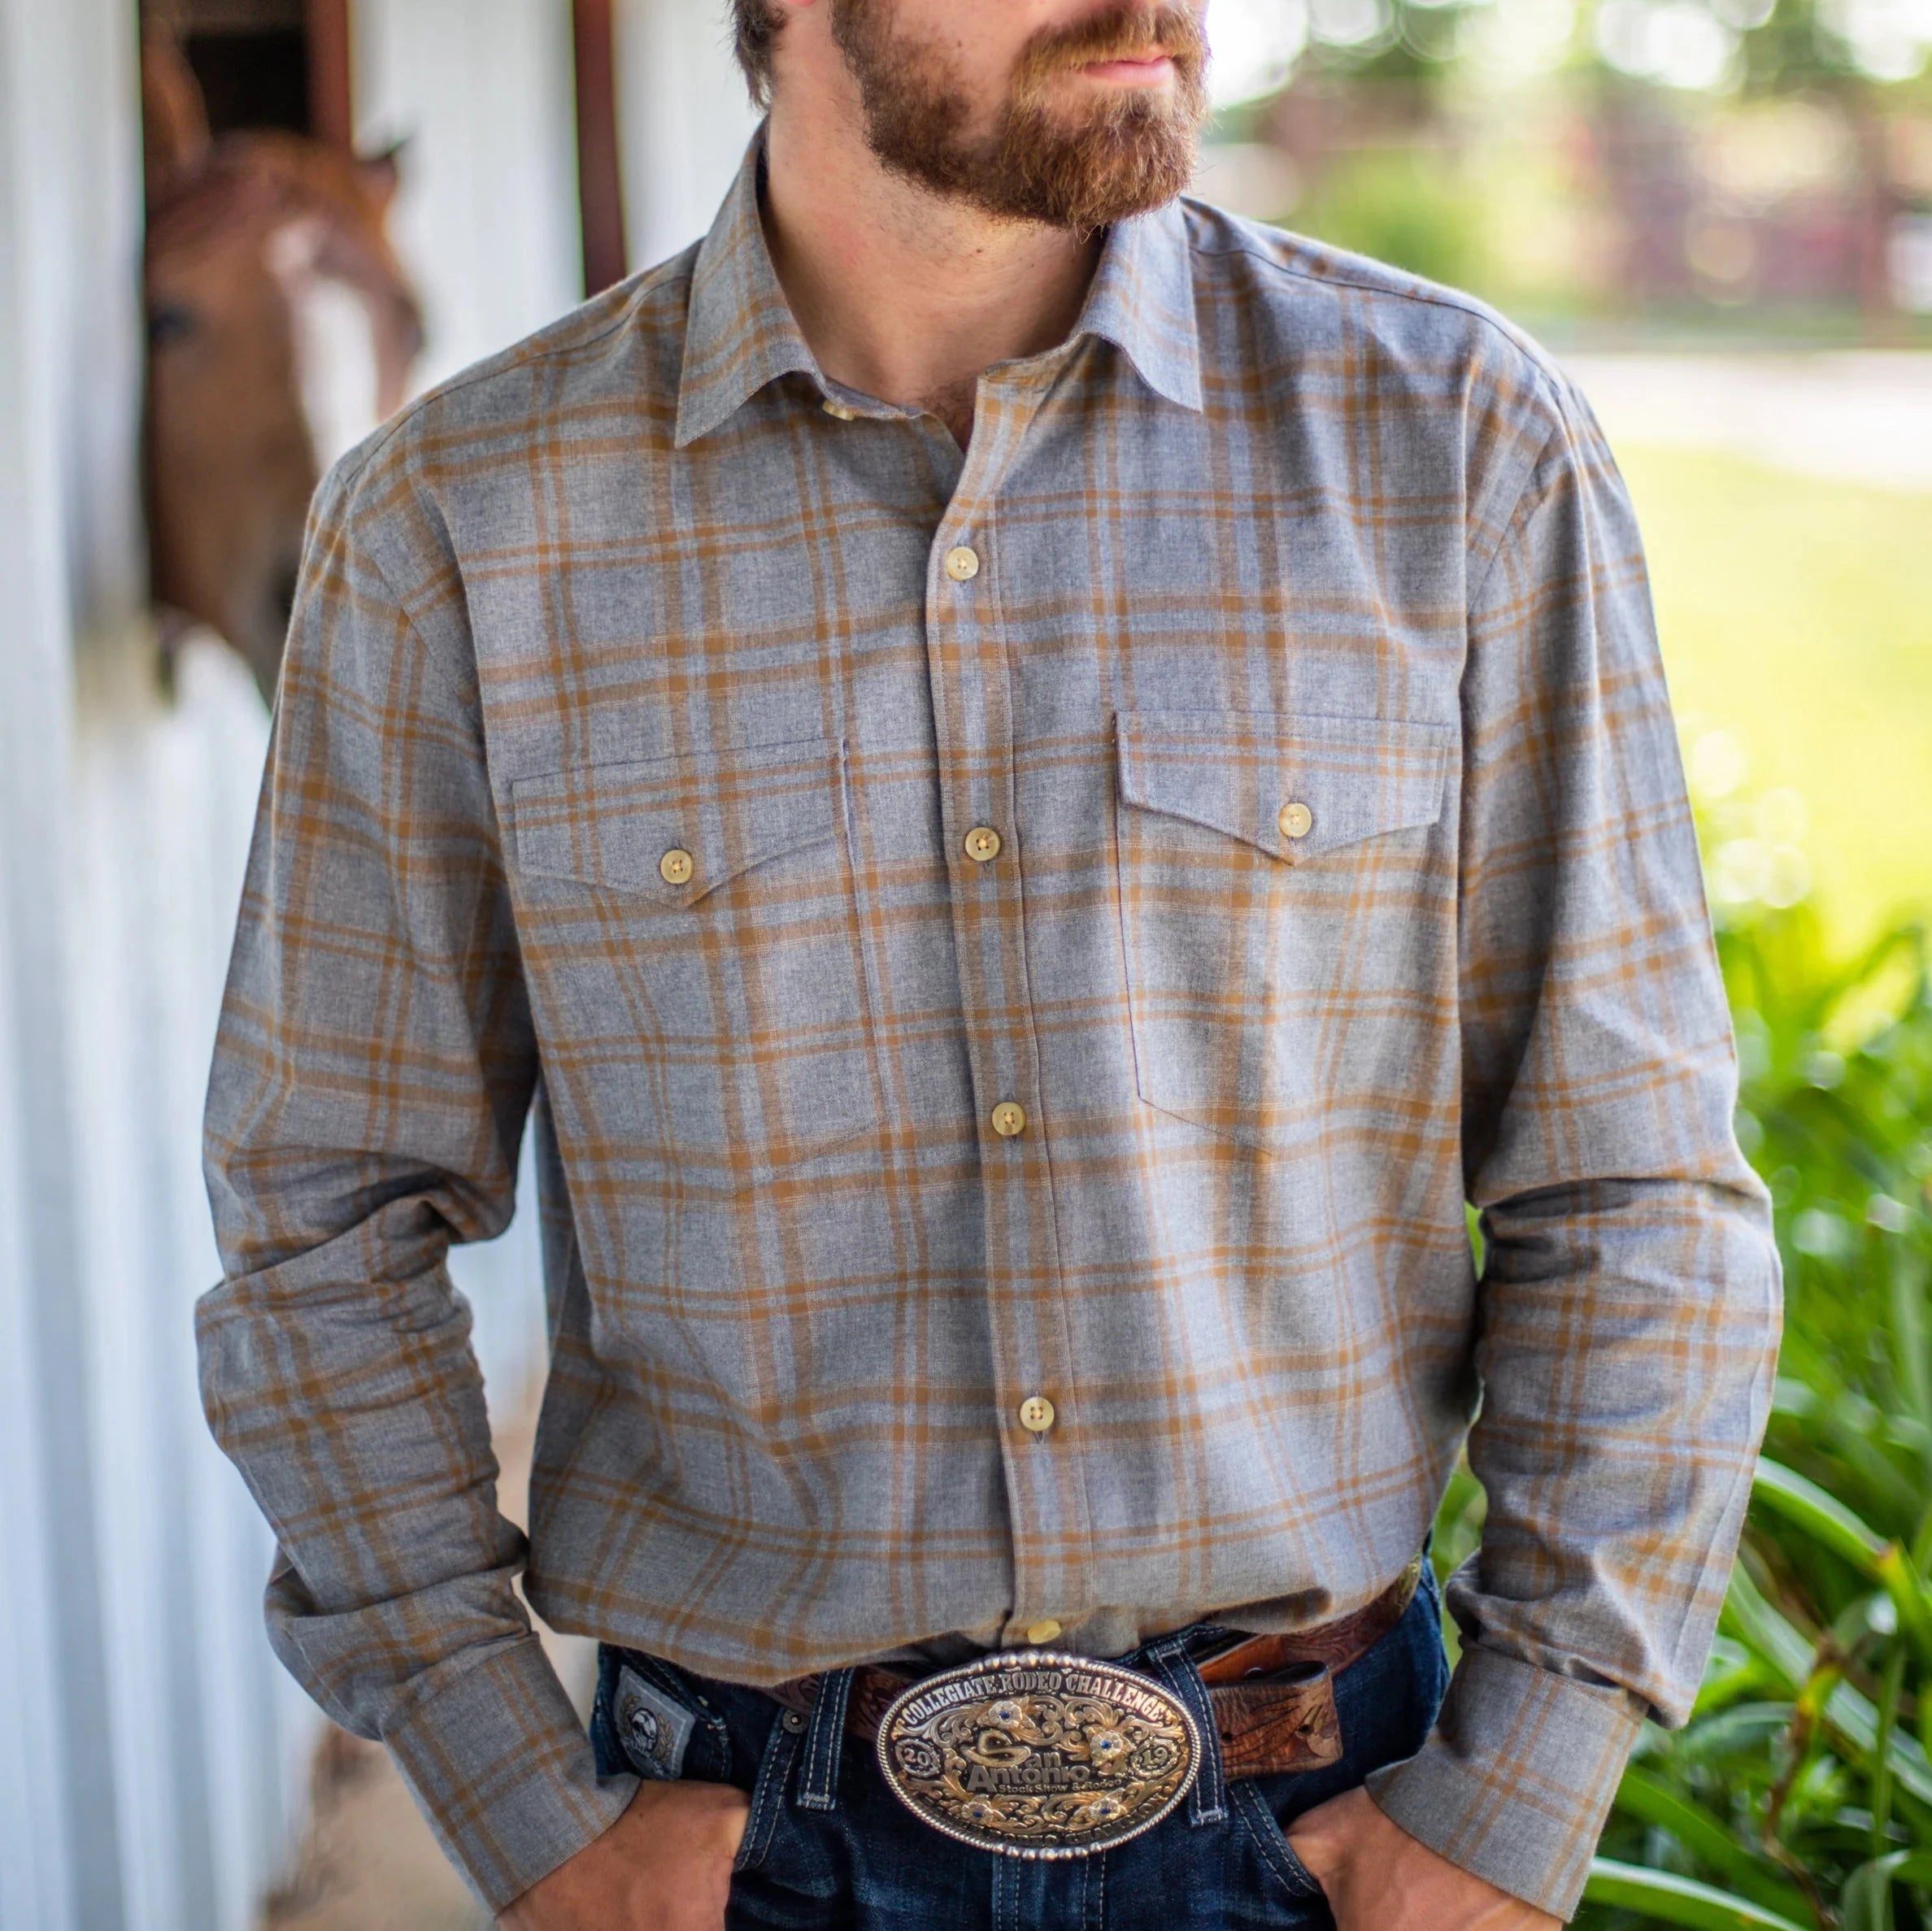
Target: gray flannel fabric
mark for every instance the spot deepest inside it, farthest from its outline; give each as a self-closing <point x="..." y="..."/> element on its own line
<point x="1274" y="527"/>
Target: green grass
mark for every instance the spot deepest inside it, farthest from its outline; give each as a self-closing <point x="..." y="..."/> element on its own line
<point x="1796" y="613"/>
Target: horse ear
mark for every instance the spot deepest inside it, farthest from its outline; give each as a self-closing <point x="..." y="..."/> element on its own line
<point x="380" y="174"/>
<point x="174" y="117"/>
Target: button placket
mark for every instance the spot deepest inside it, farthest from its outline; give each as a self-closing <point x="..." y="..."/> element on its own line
<point x="972" y="692"/>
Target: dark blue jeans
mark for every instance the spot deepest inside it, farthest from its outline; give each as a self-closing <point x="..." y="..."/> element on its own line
<point x="828" y="1844"/>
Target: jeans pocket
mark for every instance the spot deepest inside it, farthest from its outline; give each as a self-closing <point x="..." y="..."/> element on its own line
<point x="1265" y="1829"/>
<point x="767" y="1794"/>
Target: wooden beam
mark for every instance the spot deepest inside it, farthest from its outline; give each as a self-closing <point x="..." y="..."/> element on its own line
<point x="600" y="180"/>
<point x="331" y="87"/>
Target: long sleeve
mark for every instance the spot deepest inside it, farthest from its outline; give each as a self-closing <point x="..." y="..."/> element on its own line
<point x="1630" y="1299"/>
<point x="374" y="1066"/>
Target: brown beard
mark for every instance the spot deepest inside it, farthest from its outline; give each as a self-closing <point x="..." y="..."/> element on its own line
<point x="1133" y="151"/>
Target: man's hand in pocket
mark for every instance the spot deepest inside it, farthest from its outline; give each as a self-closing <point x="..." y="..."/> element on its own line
<point x="664" y="1865"/>
<point x="1379" y="1878"/>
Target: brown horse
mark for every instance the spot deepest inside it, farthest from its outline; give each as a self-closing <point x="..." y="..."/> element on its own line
<point x="270" y="281"/>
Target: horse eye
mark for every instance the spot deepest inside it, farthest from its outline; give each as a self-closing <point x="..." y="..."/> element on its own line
<point x="169" y="322"/>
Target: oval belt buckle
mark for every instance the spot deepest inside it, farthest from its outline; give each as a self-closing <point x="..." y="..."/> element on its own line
<point x="1039" y="1754"/>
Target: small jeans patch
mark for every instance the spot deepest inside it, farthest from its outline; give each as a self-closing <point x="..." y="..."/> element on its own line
<point x="652" y="1729"/>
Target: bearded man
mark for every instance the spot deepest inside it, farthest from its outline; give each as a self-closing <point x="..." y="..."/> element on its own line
<point x="1035" y="787"/>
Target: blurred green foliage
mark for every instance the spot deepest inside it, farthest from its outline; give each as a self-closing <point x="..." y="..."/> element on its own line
<point x="1783" y="47"/>
<point x="1410" y="206"/>
<point x="1800" y="1792"/>
<point x="1710" y="169"/>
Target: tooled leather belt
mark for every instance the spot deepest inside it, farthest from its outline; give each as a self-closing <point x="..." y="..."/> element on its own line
<point x="1273" y="1696"/>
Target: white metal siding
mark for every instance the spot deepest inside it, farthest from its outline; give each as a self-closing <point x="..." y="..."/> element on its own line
<point x="153" y="1755"/>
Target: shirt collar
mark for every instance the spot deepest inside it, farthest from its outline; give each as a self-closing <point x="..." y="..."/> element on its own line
<point x="1142" y="301"/>
<point x="740" y="333"/>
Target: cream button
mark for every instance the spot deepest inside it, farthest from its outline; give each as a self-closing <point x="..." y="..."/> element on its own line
<point x="982" y="843"/>
<point x="961" y="563"/>
<point x="1043" y="1631"/>
<point x="1009" y="1117"/>
<point x="838" y="409"/>
<point x="1036" y="1417"/>
<point x="1295" y="819"/>
<point x="677" y="866"/>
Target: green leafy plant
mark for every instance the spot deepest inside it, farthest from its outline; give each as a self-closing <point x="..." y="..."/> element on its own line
<point x="1799" y="1797"/>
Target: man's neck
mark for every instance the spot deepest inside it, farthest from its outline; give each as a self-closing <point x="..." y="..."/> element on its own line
<point x="902" y="293"/>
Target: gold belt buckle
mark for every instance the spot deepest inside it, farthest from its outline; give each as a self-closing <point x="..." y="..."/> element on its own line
<point x="1037" y="1754"/>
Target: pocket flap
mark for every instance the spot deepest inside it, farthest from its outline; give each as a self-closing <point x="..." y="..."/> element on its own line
<point x="612" y="825"/>
<point x="1245" y="773"/>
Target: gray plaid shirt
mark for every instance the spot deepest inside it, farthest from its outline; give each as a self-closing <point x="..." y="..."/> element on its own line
<point x="1016" y="961"/>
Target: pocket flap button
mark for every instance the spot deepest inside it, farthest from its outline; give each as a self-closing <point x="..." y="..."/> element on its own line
<point x="676" y="865"/>
<point x="1295" y="819"/>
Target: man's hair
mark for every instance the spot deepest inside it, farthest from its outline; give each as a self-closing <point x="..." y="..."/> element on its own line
<point x="754" y="25"/>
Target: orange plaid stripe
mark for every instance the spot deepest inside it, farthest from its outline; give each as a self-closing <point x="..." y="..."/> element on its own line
<point x="630" y="734"/>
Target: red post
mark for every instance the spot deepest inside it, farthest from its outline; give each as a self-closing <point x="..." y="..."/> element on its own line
<point x="331" y="112"/>
<point x="600" y="182"/>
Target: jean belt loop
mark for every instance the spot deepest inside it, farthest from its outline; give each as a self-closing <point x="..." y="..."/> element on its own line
<point x="818" y="1779"/>
<point x="1207" y="1801"/>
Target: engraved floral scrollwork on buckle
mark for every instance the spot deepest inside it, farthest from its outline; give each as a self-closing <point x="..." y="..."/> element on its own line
<point x="1039" y="1754"/>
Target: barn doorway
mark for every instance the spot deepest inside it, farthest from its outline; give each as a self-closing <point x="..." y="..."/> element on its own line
<point x="266" y="63"/>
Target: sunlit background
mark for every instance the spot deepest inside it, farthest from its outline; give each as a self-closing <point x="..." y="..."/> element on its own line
<point x="1717" y="214"/>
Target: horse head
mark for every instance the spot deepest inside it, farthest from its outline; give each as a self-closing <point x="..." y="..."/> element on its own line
<point x="280" y="328"/>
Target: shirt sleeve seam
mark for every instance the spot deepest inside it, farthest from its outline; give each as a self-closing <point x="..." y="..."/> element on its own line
<point x="1530" y="498"/>
<point x="1421" y="294"/>
<point x="519" y="356"/>
<point x="445" y="679"/>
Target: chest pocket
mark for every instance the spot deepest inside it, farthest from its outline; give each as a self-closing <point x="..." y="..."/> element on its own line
<point x="1272" y="869"/>
<point x="691" y="939"/>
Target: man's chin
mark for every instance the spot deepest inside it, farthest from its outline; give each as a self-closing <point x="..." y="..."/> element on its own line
<point x="1104" y="174"/>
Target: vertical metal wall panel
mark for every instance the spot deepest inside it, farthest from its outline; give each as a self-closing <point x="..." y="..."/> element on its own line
<point x="153" y="1755"/>
<point x="64" y="1833"/>
<point x="163" y="794"/>
<point x="37" y="1889"/>
<point x="684" y="118"/>
<point x="143" y="1749"/>
<point x="257" y="1730"/>
<point x="487" y="216"/>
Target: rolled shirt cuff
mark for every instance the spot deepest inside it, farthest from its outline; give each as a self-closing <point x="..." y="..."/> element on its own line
<point x="499" y="1764"/>
<point x="1516" y="1778"/>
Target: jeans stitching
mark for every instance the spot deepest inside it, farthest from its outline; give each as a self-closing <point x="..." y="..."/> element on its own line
<point x="1207" y="1800"/>
<point x="818" y="1783"/>
<point x="1272" y="1841"/>
<point x="1006" y="1902"/>
<point x="779" y="1749"/>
